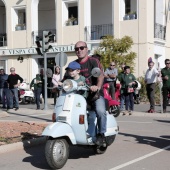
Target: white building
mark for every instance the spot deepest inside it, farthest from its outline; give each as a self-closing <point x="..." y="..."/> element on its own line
<point x="22" y="22"/>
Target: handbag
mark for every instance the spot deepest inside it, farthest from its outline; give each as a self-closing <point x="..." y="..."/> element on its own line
<point x="54" y="90"/>
<point x="130" y="90"/>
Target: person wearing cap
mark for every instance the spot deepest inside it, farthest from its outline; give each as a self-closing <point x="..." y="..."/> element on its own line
<point x="36" y="85"/>
<point x="122" y="97"/>
<point x="13" y="88"/>
<point x="73" y="70"/>
<point x="87" y="64"/>
<point x="127" y="80"/>
<point x="165" y="72"/>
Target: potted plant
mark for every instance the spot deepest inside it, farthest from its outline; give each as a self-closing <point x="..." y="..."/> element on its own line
<point x="72" y="21"/>
<point x="132" y="15"/>
<point x="126" y="17"/>
<point x="18" y="27"/>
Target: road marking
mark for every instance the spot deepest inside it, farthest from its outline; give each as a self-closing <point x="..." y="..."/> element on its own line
<point x="132" y="122"/>
<point x="140" y="158"/>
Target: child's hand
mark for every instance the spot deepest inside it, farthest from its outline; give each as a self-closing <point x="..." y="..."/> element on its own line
<point x="80" y="83"/>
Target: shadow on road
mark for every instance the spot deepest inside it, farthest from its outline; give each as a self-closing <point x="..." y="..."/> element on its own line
<point x="163" y="121"/>
<point x="37" y="155"/>
<point x="153" y="141"/>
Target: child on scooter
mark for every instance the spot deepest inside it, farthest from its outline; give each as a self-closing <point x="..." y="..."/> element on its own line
<point x="73" y="70"/>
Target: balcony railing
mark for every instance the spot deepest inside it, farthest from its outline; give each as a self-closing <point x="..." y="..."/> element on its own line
<point x="96" y="32"/>
<point x="160" y="31"/>
<point x="38" y="35"/>
<point x="3" y="39"/>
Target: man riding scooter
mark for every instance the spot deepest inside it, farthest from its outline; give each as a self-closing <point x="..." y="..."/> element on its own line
<point x="87" y="64"/>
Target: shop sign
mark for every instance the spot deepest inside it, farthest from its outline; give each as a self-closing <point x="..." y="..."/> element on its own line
<point x="30" y="51"/>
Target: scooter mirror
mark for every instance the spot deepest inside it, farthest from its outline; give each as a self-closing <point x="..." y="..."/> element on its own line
<point x="49" y="73"/>
<point x="96" y="72"/>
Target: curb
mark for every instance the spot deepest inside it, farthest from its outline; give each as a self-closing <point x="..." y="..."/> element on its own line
<point x="22" y="145"/>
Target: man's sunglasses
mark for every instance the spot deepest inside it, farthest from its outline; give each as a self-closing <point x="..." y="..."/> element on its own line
<point x="12" y="70"/>
<point x="167" y="63"/>
<point x="112" y="65"/>
<point x="81" y="48"/>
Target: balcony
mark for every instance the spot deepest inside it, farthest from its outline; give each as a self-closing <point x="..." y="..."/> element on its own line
<point x="96" y="32"/>
<point x="3" y="39"/>
<point x="160" y="31"/>
<point x="38" y="35"/>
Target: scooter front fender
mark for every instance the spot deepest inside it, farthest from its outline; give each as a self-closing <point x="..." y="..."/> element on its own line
<point x="59" y="129"/>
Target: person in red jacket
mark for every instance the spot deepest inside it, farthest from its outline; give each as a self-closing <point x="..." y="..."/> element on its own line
<point x="13" y="88"/>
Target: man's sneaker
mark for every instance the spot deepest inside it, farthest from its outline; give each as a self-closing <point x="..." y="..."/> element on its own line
<point x="100" y="139"/>
<point x="16" y="108"/>
<point x="152" y="111"/>
<point x="125" y="112"/>
<point x="164" y="110"/>
<point x="130" y="112"/>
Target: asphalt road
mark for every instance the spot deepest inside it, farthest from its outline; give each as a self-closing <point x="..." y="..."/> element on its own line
<point x="143" y="143"/>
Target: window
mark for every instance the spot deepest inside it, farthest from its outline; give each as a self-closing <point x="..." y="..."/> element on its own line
<point x="127" y="6"/>
<point x="19" y="19"/>
<point x="70" y="13"/>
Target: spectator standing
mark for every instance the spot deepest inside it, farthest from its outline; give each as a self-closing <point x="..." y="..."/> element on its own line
<point x="56" y="82"/>
<point x="87" y="64"/>
<point x="150" y="80"/>
<point x="122" y="97"/>
<point x="127" y="80"/>
<point x="36" y="85"/>
<point x="13" y="88"/>
<point x="165" y="72"/>
<point x="4" y="89"/>
<point x="110" y="77"/>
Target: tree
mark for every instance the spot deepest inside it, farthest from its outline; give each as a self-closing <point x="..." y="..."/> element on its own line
<point x="117" y="50"/>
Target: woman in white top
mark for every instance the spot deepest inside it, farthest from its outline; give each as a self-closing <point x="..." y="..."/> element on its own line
<point x="56" y="82"/>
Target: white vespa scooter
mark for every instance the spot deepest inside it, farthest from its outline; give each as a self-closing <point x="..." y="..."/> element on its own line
<point x="74" y="125"/>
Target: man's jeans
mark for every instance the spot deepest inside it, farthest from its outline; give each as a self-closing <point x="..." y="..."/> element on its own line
<point x="37" y="93"/>
<point x="122" y="102"/>
<point x="150" y="88"/>
<point x="13" y="96"/>
<point x="5" y="97"/>
<point x="1" y="91"/>
<point x="100" y="109"/>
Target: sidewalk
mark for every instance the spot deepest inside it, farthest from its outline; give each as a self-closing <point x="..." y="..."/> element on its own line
<point x="41" y="140"/>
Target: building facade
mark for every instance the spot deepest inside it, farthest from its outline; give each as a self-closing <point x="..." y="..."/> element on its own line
<point x="22" y="23"/>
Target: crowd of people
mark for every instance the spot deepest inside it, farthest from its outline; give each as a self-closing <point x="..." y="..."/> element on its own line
<point x="79" y="70"/>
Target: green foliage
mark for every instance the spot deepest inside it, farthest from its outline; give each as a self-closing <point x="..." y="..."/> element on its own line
<point x="117" y="50"/>
<point x="143" y="93"/>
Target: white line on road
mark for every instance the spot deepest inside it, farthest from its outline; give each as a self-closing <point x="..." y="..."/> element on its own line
<point x="140" y="158"/>
<point x="132" y="122"/>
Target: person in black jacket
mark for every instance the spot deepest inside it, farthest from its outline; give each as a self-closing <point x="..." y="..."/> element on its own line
<point x="13" y="88"/>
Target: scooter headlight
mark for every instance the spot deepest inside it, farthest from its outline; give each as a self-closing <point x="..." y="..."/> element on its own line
<point x="69" y="85"/>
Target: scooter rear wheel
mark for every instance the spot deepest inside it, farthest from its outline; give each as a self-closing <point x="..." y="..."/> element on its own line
<point x="99" y="149"/>
<point x="56" y="153"/>
<point x="114" y="110"/>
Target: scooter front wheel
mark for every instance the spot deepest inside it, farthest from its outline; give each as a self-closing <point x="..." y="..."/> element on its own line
<point x="56" y="153"/>
<point x="99" y="149"/>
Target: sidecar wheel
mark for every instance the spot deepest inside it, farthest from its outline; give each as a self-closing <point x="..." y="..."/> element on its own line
<point x="114" y="110"/>
<point x="56" y="153"/>
<point x="23" y="100"/>
<point x="99" y="149"/>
